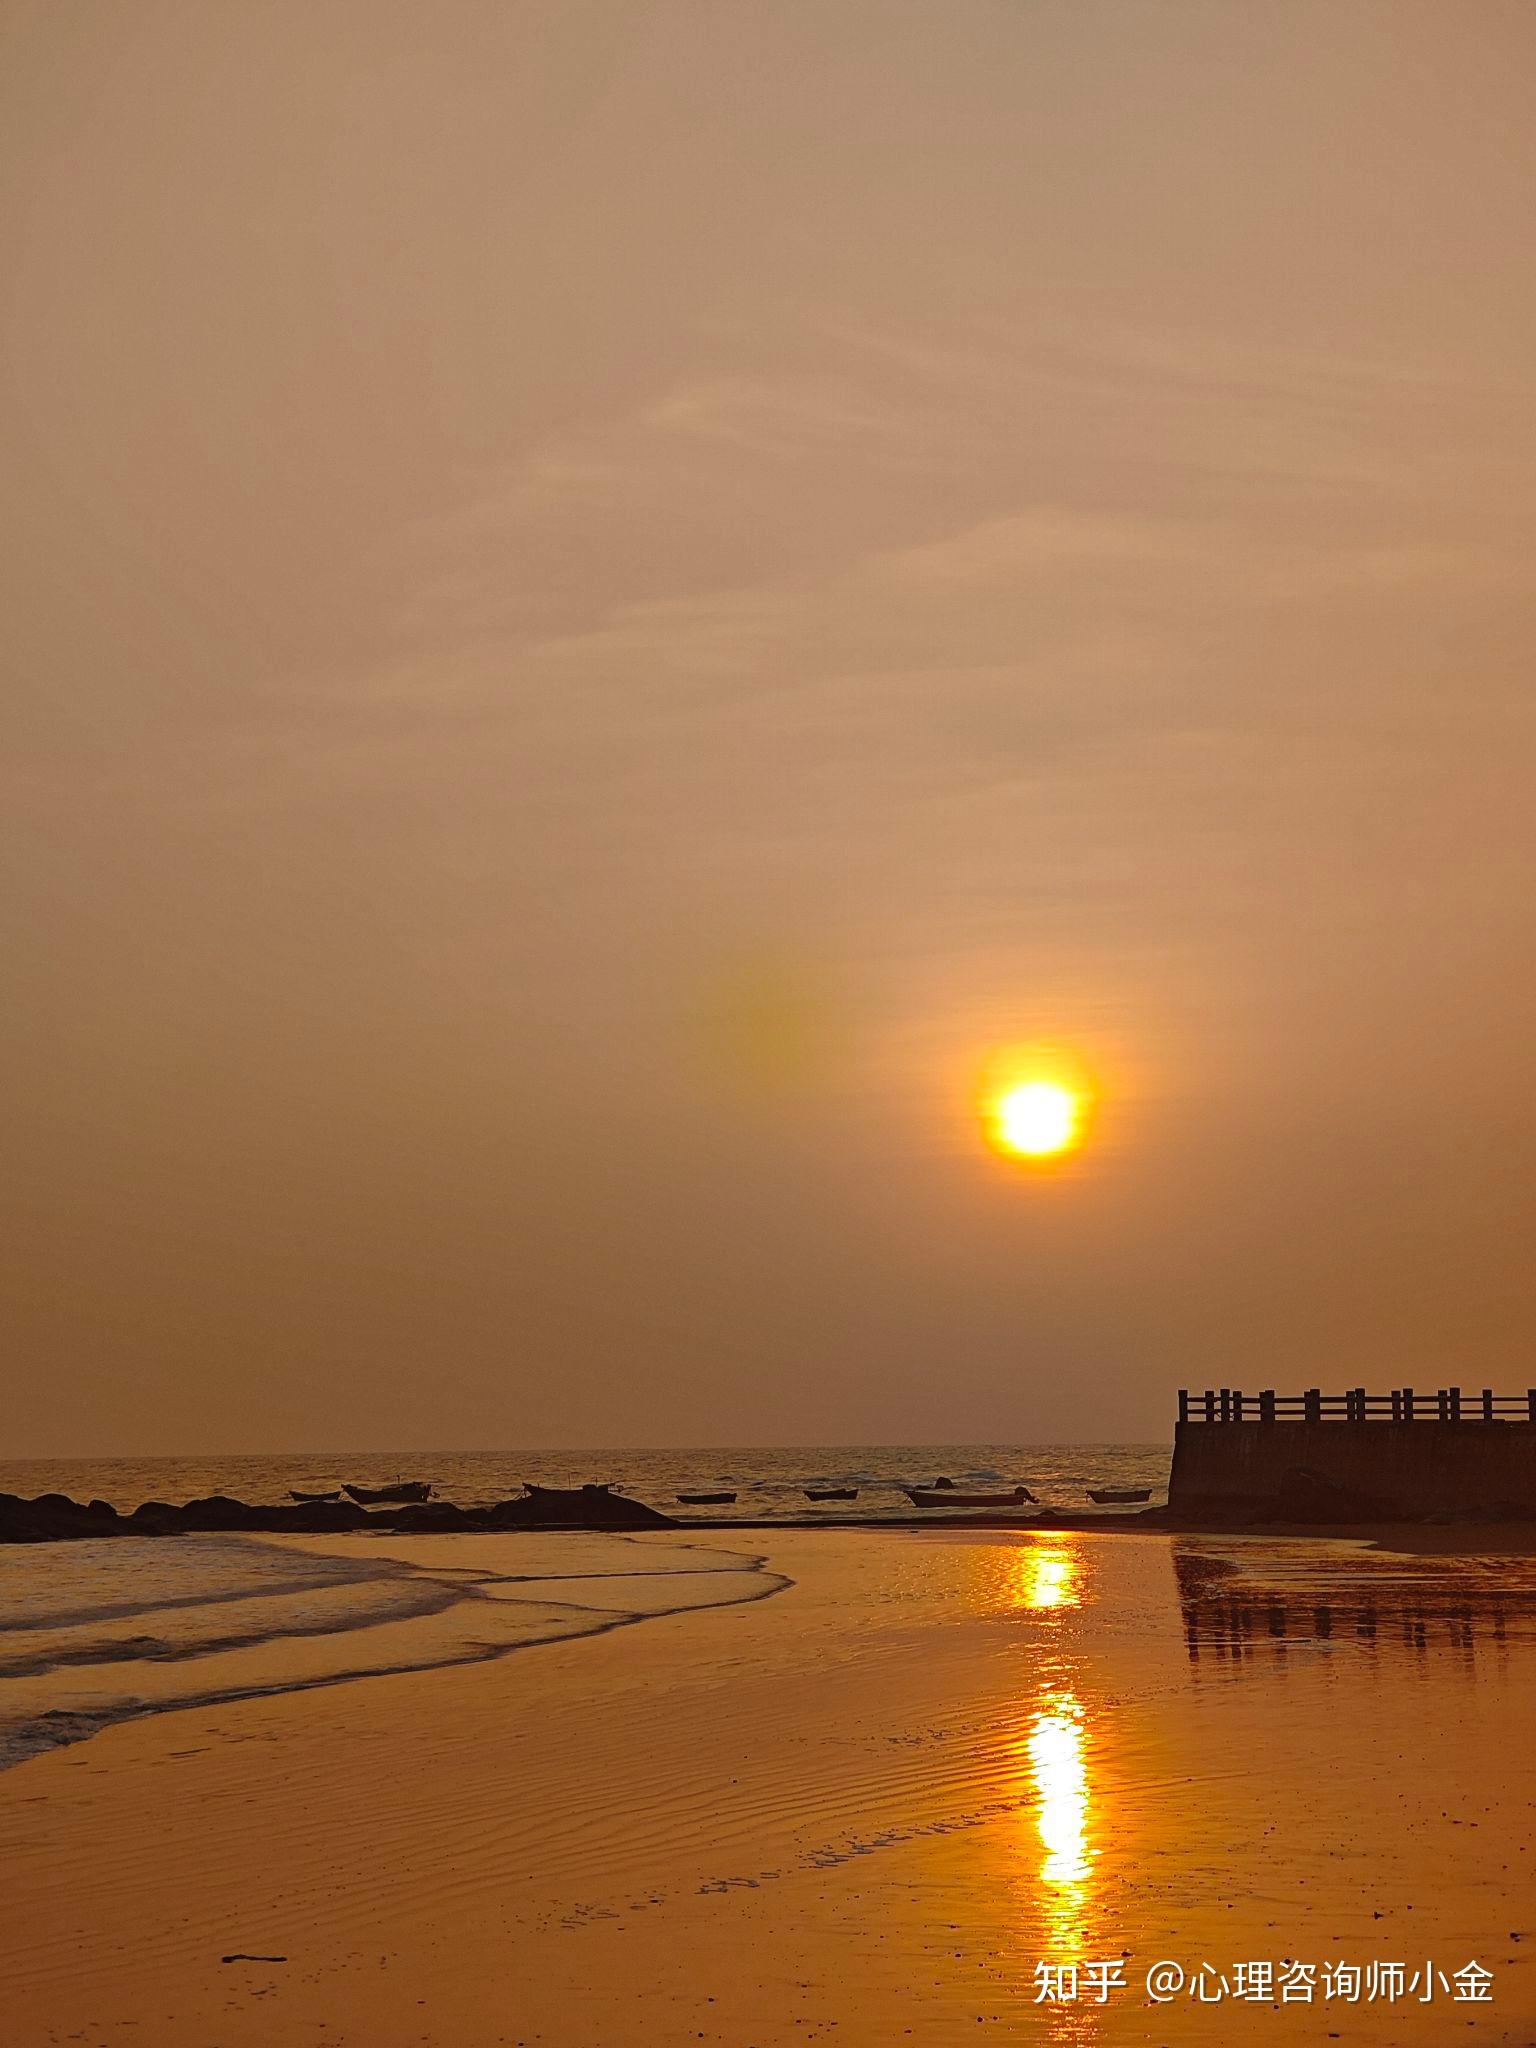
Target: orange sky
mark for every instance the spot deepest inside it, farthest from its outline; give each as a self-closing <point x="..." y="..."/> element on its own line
<point x="602" y="601"/>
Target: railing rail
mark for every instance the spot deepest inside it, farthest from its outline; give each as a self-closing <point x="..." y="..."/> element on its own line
<point x="1355" y="1404"/>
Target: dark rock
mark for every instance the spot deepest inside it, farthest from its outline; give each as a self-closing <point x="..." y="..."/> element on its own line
<point x="217" y="1511"/>
<point x="53" y="1518"/>
<point x="424" y="1515"/>
<point x="576" y="1507"/>
<point x="314" y="1518"/>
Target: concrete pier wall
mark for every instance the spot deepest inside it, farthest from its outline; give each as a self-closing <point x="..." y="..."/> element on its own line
<point x="1360" y="1471"/>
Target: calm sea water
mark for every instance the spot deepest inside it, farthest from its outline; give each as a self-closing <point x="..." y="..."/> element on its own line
<point x="769" y="1483"/>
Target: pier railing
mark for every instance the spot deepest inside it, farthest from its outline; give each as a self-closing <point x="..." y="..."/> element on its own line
<point x="1401" y="1404"/>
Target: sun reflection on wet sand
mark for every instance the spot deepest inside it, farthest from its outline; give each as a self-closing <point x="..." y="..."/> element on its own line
<point x="1055" y="1747"/>
<point x="1048" y="1578"/>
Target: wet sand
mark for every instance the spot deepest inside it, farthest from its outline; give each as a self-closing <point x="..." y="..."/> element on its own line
<point x="862" y="1809"/>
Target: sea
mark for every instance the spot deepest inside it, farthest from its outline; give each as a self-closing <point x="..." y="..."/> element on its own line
<point x="769" y="1483"/>
<point x="111" y="1629"/>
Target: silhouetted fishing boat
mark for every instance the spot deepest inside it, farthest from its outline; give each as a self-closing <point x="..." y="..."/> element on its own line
<point x="952" y="1497"/>
<point x="1119" y="1496"/>
<point x="707" y="1500"/>
<point x="294" y="1494"/>
<point x="406" y="1490"/>
<point x="831" y="1493"/>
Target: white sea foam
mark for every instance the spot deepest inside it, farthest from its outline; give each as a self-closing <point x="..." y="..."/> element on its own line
<point x="97" y="1632"/>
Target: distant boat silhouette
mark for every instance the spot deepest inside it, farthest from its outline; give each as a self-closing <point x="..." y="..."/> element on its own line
<point x="707" y="1500"/>
<point x="950" y="1496"/>
<point x="406" y="1490"/>
<point x="1118" y="1496"/>
<point x="294" y="1494"/>
<point x="831" y="1493"/>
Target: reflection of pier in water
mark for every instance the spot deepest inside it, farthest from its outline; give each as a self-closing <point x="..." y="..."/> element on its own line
<point x="1236" y="1615"/>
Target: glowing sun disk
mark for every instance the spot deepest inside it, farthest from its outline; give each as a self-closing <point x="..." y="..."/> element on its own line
<point x="1039" y="1119"/>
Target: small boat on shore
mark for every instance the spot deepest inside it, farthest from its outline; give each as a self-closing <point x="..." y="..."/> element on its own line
<point x="1119" y="1496"/>
<point x="831" y="1493"/>
<point x="951" y="1496"/>
<point x="707" y="1500"/>
<point x="294" y="1494"/>
<point x="405" y="1490"/>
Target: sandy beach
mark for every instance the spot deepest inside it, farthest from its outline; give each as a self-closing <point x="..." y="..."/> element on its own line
<point x="863" y="1800"/>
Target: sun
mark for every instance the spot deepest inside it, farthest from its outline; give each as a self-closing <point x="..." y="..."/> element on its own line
<point x="1036" y="1103"/>
<point x="1039" y="1119"/>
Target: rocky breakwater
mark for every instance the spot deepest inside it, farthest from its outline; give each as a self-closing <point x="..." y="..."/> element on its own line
<point x="55" y="1518"/>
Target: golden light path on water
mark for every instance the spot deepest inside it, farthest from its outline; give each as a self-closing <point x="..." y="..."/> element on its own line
<point x="1055" y="1747"/>
<point x="1050" y="1583"/>
<point x="1048" y="1579"/>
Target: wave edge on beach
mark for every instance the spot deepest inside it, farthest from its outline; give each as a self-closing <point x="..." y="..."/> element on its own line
<point x="329" y="1620"/>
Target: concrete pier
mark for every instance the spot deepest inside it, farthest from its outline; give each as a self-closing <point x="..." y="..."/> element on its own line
<point x="1363" y="1466"/>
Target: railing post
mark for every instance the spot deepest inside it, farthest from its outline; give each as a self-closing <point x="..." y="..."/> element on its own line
<point x="1226" y="1404"/>
<point x="1267" y="1405"/>
<point x="1407" y="1404"/>
<point x="1183" y="1404"/>
<point x="1455" y="1402"/>
<point x="1487" y="1404"/>
<point x="1312" y="1405"/>
<point x="1530" y="1403"/>
<point x="1237" y="1404"/>
<point x="1397" y="1405"/>
<point x="1360" y="1407"/>
<point x="1210" y="1405"/>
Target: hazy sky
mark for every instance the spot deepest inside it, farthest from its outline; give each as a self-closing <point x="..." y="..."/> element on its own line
<point x="601" y="600"/>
